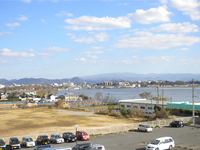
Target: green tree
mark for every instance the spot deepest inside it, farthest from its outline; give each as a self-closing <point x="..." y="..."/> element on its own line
<point x="146" y="95"/>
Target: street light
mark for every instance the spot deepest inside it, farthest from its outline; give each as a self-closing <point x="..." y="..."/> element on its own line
<point x="76" y="126"/>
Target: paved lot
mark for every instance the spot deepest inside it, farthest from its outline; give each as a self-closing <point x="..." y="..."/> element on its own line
<point x="185" y="138"/>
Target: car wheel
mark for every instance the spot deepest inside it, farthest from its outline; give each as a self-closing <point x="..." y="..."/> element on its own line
<point x="157" y="149"/>
<point x="67" y="141"/>
<point x="170" y="147"/>
<point x="138" y="129"/>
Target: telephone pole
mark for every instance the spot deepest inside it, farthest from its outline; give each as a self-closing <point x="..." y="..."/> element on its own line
<point x="157" y="91"/>
<point x="193" y="109"/>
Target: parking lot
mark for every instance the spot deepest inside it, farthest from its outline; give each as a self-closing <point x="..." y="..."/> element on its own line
<point x="185" y="138"/>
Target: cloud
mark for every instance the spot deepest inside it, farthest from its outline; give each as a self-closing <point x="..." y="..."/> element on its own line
<point x="64" y="13"/>
<point x="43" y="20"/>
<point x="124" y="62"/>
<point x="92" y="57"/>
<point x="88" y="40"/>
<point x="95" y="47"/>
<point x="179" y="27"/>
<point x="86" y="52"/>
<point x="154" y="59"/>
<point x="186" y="61"/>
<point x="12" y="24"/>
<point x="26" y="1"/>
<point x="22" y="18"/>
<point x="72" y="35"/>
<point x="9" y="53"/>
<point x="153" y="15"/>
<point x="98" y="52"/>
<point x="184" y="49"/>
<point x="4" y="33"/>
<point x="30" y="49"/>
<point x="57" y="49"/>
<point x="157" y="41"/>
<point x="100" y="37"/>
<point x="94" y="23"/>
<point x="189" y="7"/>
<point x="80" y="59"/>
<point x="45" y="54"/>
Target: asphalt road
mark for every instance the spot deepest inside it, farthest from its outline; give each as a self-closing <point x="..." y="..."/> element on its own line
<point x="185" y="138"/>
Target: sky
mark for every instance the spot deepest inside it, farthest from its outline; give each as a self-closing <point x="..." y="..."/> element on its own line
<point x="58" y="39"/>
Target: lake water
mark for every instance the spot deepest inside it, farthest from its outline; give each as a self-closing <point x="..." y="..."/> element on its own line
<point x="174" y="94"/>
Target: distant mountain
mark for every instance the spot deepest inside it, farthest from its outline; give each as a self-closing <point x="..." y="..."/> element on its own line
<point x="40" y="81"/>
<point x="126" y="76"/>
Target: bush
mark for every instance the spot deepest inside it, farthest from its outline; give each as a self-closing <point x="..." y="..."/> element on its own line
<point x="162" y="113"/>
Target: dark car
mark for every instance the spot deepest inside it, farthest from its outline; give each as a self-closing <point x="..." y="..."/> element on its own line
<point x="69" y="137"/>
<point x="177" y="123"/>
<point x="2" y="145"/>
<point x="14" y="143"/>
<point x="82" y="146"/>
<point x="42" y="140"/>
<point x="41" y="147"/>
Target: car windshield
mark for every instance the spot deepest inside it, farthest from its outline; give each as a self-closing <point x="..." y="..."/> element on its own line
<point x="70" y="134"/>
<point x="57" y="136"/>
<point x="84" y="133"/>
<point x="45" y="137"/>
<point x="2" y="143"/>
<point x="147" y="126"/>
<point x="155" y="142"/>
<point x="14" y="141"/>
<point x="29" y="140"/>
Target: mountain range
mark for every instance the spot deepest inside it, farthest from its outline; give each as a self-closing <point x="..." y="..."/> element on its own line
<point x="126" y="76"/>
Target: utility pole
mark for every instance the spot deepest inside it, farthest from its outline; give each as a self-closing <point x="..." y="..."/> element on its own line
<point x="162" y="97"/>
<point x="193" y="109"/>
<point x="157" y="91"/>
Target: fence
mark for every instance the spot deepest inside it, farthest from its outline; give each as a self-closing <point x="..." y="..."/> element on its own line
<point x="106" y="129"/>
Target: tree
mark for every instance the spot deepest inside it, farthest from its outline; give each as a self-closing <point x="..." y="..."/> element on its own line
<point x="146" y="95"/>
<point x="98" y="96"/>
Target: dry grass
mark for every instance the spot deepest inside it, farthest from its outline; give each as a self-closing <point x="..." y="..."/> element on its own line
<point x="17" y="122"/>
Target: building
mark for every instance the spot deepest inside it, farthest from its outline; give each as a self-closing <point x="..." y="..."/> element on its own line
<point x="142" y="105"/>
<point x="184" y="105"/>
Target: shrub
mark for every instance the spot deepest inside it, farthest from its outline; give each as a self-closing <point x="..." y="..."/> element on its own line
<point x="162" y="113"/>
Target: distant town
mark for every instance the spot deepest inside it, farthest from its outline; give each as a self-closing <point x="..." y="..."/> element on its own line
<point x="48" y="92"/>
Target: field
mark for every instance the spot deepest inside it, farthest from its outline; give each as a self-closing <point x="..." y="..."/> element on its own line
<point x="18" y="122"/>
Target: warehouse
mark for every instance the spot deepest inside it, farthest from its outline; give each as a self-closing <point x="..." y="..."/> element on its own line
<point x="142" y="105"/>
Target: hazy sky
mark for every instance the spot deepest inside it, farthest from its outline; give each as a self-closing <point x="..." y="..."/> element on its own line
<point x="58" y="39"/>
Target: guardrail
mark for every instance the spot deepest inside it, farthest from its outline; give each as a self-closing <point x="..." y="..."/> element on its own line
<point x="106" y="129"/>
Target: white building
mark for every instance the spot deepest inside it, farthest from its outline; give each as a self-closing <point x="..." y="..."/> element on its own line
<point x="142" y="105"/>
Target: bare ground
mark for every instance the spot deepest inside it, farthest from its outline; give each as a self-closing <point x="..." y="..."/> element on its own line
<point x="18" y="122"/>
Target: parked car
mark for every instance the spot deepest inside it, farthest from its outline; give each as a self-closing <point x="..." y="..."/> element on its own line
<point x="14" y="143"/>
<point x="59" y="148"/>
<point x="161" y="143"/>
<point x="27" y="142"/>
<point x="41" y="147"/>
<point x="56" y="138"/>
<point x="42" y="139"/>
<point x="177" y="123"/>
<point x="2" y="145"/>
<point x="82" y="135"/>
<point x="81" y="146"/>
<point x="144" y="127"/>
<point x="69" y="137"/>
<point x="96" y="147"/>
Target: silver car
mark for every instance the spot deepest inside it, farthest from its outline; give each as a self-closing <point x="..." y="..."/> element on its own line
<point x="56" y="138"/>
<point x="27" y="142"/>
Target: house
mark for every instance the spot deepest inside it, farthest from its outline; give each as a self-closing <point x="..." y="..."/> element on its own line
<point x="51" y="98"/>
<point x="142" y="105"/>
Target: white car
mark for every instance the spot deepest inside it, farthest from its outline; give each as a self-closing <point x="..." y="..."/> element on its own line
<point x="144" y="127"/>
<point x="28" y="142"/>
<point x="161" y="144"/>
<point x="56" y="138"/>
<point x="95" y="147"/>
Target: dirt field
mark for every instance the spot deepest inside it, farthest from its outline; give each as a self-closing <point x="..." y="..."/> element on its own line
<point x="17" y="122"/>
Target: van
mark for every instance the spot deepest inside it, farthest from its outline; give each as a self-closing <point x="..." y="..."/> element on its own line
<point x="161" y="143"/>
<point x="145" y="128"/>
<point x="59" y="148"/>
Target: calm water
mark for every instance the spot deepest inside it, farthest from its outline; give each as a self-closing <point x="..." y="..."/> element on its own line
<point x="174" y="94"/>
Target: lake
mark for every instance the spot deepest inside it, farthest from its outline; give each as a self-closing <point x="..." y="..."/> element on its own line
<point x="173" y="94"/>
